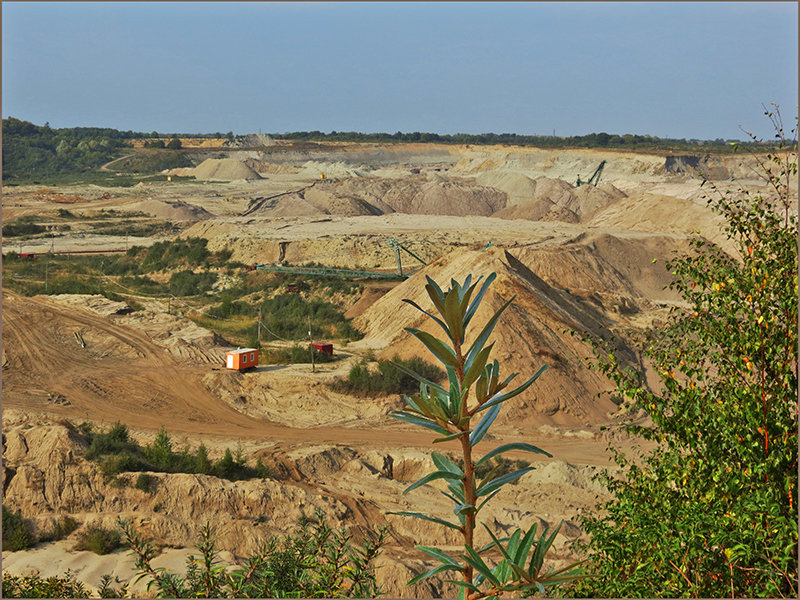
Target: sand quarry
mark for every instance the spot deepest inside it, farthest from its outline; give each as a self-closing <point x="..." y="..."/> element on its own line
<point x="579" y="259"/>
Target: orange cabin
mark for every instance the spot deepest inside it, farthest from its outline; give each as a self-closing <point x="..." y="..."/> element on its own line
<point x="242" y="358"/>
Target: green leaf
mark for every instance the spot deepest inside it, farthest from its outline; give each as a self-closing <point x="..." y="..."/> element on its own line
<point x="462" y="509"/>
<point x="431" y="477"/>
<point x="439" y="555"/>
<point x="518" y="570"/>
<point x="433" y="571"/>
<point x="480" y="431"/>
<point x="485" y="500"/>
<point x="436" y="346"/>
<point x="452" y="436"/>
<point x="452" y="315"/>
<point x="477" y="345"/>
<point x="417" y="515"/>
<point x="503" y="397"/>
<point x="436" y="295"/>
<point x="542" y="546"/>
<point x="466" y="293"/>
<point x="525" y="545"/>
<point x="432" y="316"/>
<point x="474" y="559"/>
<point x="454" y="397"/>
<point x="417" y="420"/>
<point x="496" y="483"/>
<point x="474" y="367"/>
<point x="513" y="446"/>
<point x="478" y="299"/>
<point x="445" y="464"/>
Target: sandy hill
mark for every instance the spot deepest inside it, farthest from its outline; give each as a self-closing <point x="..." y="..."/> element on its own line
<point x="503" y="195"/>
<point x="376" y="196"/>
<point x="531" y="333"/>
<point x="173" y="210"/>
<point x="546" y="199"/>
<point x="222" y="169"/>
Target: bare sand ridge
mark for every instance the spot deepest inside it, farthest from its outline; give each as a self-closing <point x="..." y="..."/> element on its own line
<point x="577" y="258"/>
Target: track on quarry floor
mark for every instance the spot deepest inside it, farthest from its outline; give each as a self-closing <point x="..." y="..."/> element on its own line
<point x="142" y="385"/>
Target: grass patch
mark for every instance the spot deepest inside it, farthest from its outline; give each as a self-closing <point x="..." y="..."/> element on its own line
<point x="99" y="540"/>
<point x="387" y="378"/>
<point x="22" y="226"/>
<point x="116" y="453"/>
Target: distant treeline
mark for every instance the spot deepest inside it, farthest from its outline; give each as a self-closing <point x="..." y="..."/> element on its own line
<point x="592" y="140"/>
<point x="39" y="151"/>
<point x="31" y="150"/>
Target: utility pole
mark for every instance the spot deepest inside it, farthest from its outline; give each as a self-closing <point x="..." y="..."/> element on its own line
<point x="259" y="327"/>
<point x="311" y="346"/>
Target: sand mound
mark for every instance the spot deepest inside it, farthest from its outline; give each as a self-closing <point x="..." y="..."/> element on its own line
<point x="662" y="214"/>
<point x="173" y="210"/>
<point x="333" y="169"/>
<point x="445" y="197"/>
<point x="602" y="265"/>
<point x="223" y="169"/>
<point x="251" y="140"/>
<point x="377" y="196"/>
<point x="556" y="200"/>
<point x="518" y="187"/>
<point x="263" y="166"/>
<point x="531" y="333"/>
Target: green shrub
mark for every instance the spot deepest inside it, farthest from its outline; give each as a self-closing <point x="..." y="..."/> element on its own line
<point x="64" y="526"/>
<point x="189" y="283"/>
<point x="144" y="482"/>
<point x="35" y="586"/>
<point x="202" y="464"/>
<point x="17" y="532"/>
<point x="474" y="385"/>
<point x="160" y="451"/>
<point x="316" y="562"/>
<point x="388" y="379"/>
<point x="18" y="228"/>
<point x="115" y="441"/>
<point x="116" y="453"/>
<point x="708" y="507"/>
<point x="99" y="540"/>
<point x="286" y="316"/>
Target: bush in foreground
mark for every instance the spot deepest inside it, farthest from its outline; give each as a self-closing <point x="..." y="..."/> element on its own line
<point x="711" y="511"/>
<point x="35" y="586"/>
<point x="315" y="562"/>
<point x="17" y="532"/>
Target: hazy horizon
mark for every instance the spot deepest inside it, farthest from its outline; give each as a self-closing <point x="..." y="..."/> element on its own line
<point x="671" y="70"/>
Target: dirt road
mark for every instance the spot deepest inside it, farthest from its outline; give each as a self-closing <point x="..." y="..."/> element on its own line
<point x="122" y="375"/>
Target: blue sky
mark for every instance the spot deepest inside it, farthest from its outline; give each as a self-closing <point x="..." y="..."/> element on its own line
<point x="671" y="69"/>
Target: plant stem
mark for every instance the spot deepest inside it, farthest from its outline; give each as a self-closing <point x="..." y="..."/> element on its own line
<point x="469" y="498"/>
